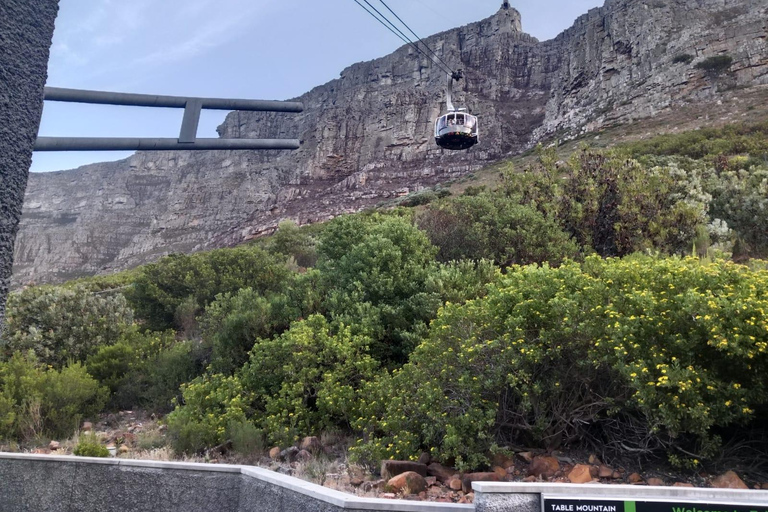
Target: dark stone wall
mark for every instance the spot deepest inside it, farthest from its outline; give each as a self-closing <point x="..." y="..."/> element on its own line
<point x="26" y="31"/>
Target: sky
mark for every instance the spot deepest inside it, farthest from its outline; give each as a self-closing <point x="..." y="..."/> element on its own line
<point x="254" y="49"/>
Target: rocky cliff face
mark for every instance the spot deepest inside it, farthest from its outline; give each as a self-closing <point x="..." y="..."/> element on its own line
<point x="367" y="136"/>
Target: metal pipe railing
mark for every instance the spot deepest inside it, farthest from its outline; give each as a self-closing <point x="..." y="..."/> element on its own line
<point x="188" y="135"/>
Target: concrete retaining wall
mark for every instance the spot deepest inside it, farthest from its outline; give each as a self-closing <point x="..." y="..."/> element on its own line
<point x="34" y="483"/>
<point x="26" y="31"/>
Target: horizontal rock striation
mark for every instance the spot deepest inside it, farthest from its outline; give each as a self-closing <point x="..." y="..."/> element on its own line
<point x="367" y="136"/>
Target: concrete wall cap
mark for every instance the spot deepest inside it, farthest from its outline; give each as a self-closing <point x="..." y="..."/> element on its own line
<point x="597" y="491"/>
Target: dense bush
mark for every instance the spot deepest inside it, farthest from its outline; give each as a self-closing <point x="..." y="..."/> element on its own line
<point x="291" y="241"/>
<point x="41" y="401"/>
<point x="609" y="203"/>
<point x="646" y="354"/>
<point x="63" y="324"/>
<point x="193" y="282"/>
<point x="495" y="227"/>
<point x="210" y="404"/>
<point x="706" y="143"/>
<point x="374" y="270"/>
<point x="308" y="379"/>
<point x="234" y="322"/>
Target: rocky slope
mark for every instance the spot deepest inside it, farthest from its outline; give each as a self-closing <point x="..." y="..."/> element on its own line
<point x="367" y="136"/>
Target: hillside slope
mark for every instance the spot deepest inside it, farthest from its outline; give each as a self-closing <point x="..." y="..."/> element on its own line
<point x="367" y="135"/>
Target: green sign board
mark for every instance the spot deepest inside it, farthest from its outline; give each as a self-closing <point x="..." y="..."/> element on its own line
<point x="671" y="505"/>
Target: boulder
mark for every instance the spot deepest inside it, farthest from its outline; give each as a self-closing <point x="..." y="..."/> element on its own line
<point x="655" y="482"/>
<point x="580" y="474"/>
<point x="408" y="482"/>
<point x="466" y="480"/>
<point x="454" y="483"/>
<point x="311" y="444"/>
<point x="425" y="458"/>
<point x="303" y="456"/>
<point x="123" y="448"/>
<point x="682" y="484"/>
<point x="544" y="467"/>
<point x="500" y="471"/>
<point x="635" y="478"/>
<point x="442" y="473"/>
<point x="391" y="468"/>
<point x="54" y="445"/>
<point x="289" y="454"/>
<point x="729" y="480"/>
<point x="274" y="453"/>
<point x="605" y="472"/>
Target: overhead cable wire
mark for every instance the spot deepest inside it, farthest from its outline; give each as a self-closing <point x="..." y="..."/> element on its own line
<point x="399" y="33"/>
<point x="443" y="68"/>
<point x="415" y="35"/>
<point x="382" y="22"/>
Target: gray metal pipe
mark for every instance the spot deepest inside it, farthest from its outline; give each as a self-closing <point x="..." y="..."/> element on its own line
<point x="128" y="144"/>
<point x="150" y="100"/>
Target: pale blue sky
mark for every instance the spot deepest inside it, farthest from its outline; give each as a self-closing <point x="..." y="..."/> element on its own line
<point x="261" y="49"/>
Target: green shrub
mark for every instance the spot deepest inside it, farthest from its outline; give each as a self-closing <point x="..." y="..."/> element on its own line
<point x="609" y="203"/>
<point x="308" y="379"/>
<point x="497" y="228"/>
<point x="684" y="58"/>
<point x="63" y="324"/>
<point x="716" y="64"/>
<point x="234" y="322"/>
<point x="247" y="439"/>
<point x="374" y="270"/>
<point x="46" y="401"/>
<point x="209" y="405"/>
<point x="90" y="446"/>
<point x="646" y="354"/>
<point x="163" y="287"/>
<point x="293" y="242"/>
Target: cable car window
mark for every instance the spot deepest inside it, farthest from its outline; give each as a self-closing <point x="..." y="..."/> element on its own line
<point x="441" y="123"/>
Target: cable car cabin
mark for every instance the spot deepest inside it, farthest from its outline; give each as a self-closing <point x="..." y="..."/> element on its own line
<point x="456" y="131"/>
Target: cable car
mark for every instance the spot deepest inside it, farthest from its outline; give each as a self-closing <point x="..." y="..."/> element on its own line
<point x="457" y="130"/>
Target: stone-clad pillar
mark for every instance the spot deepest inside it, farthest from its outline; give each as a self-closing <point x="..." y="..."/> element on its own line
<point x="26" y="31"/>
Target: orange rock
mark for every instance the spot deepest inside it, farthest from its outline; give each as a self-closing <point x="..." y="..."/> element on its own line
<point x="312" y="444"/>
<point x="274" y="453"/>
<point x="594" y="460"/>
<point x="656" y="482"/>
<point x="500" y="471"/>
<point x="409" y="482"/>
<point x="635" y="478"/>
<point x="530" y="479"/>
<point x="455" y="484"/>
<point x="580" y="474"/>
<point x="545" y="467"/>
<point x="605" y="472"/>
<point x="729" y="480"/>
<point x="682" y="484"/>
<point x="466" y="480"/>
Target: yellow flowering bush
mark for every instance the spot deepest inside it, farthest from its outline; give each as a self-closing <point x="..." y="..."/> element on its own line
<point x="653" y="354"/>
